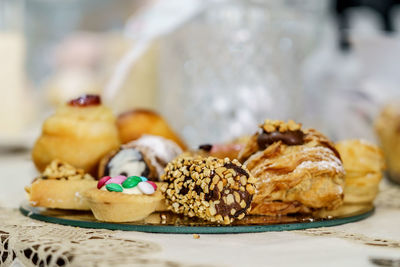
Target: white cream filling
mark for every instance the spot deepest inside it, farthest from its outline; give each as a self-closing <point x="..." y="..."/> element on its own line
<point x="127" y="161"/>
<point x="130" y="191"/>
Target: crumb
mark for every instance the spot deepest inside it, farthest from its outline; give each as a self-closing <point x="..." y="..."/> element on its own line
<point x="196" y="236"/>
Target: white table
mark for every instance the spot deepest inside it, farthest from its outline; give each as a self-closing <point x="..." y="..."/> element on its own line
<point x="376" y="239"/>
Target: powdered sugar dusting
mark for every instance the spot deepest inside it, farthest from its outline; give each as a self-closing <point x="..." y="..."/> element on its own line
<point x="320" y="165"/>
<point x="159" y="147"/>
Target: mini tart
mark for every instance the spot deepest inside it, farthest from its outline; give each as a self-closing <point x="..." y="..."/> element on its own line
<point x="119" y="207"/>
<point x="61" y="186"/>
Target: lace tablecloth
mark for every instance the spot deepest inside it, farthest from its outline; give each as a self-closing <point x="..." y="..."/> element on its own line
<point x="26" y="242"/>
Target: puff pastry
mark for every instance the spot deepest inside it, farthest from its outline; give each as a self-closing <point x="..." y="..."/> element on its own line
<point x="388" y="131"/>
<point x="297" y="171"/>
<point x="364" y="165"/>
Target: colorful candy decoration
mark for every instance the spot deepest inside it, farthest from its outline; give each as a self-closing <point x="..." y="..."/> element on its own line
<point x="131" y="182"/>
<point x="117" y="179"/>
<point x="153" y="184"/>
<point x="103" y="181"/>
<point x="114" y="187"/>
<point x="146" y="188"/>
<point x="120" y="182"/>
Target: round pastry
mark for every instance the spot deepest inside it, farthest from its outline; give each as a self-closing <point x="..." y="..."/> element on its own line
<point x="297" y="171"/>
<point x="147" y="156"/>
<point x="135" y="123"/>
<point x="364" y="164"/>
<point x="122" y="199"/>
<point x="60" y="186"/>
<point x="212" y="189"/>
<point x="79" y="133"/>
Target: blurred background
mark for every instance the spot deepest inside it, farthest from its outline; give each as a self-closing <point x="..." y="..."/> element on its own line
<point x="214" y="69"/>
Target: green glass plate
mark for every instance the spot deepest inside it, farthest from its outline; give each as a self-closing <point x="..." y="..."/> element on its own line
<point x="166" y="222"/>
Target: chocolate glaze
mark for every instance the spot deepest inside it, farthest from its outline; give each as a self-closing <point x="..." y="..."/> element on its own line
<point x="224" y="209"/>
<point x="290" y="138"/>
<point x="85" y="100"/>
<point x="236" y="168"/>
<point x="206" y="147"/>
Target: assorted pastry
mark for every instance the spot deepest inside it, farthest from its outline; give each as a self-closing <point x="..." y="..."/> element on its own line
<point x="146" y="156"/>
<point x="387" y="126"/>
<point x="135" y="123"/>
<point x="124" y="199"/>
<point x="140" y="166"/>
<point x="80" y="133"/>
<point x="364" y="165"/>
<point x="298" y="170"/>
<point x="60" y="186"/>
<point x="217" y="190"/>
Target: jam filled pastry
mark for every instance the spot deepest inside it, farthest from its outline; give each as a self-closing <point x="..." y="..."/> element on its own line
<point x="212" y="189"/>
<point x="297" y="171"/>
<point x="79" y="133"/>
<point x="147" y="156"/>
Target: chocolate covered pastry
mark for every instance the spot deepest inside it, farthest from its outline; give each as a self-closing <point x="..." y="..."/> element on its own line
<point x="213" y="189"/>
<point x="297" y="171"/>
<point x="147" y="156"/>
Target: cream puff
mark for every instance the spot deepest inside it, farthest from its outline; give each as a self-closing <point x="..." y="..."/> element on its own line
<point x="79" y="133"/>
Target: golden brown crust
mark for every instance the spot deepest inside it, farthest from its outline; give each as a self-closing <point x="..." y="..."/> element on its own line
<point x="360" y="156"/>
<point x="296" y="170"/>
<point x="294" y="179"/>
<point x="60" y="186"/>
<point x="364" y="165"/>
<point x="387" y="126"/>
<point x="135" y="123"/>
<point x="80" y="136"/>
<point x="60" y="194"/>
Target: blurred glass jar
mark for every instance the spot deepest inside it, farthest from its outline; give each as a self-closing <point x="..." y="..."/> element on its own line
<point x="235" y="64"/>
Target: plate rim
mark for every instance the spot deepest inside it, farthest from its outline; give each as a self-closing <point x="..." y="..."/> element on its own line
<point x="218" y="229"/>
